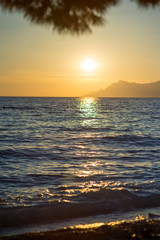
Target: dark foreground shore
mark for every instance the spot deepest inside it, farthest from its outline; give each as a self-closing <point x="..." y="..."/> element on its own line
<point x="125" y="230"/>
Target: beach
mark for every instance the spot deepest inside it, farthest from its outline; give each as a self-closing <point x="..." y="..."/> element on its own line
<point x="144" y="229"/>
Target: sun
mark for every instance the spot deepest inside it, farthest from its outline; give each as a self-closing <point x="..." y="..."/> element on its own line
<point x="89" y="65"/>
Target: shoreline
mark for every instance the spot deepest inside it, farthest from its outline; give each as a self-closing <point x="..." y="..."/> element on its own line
<point x="138" y="229"/>
<point x="92" y="222"/>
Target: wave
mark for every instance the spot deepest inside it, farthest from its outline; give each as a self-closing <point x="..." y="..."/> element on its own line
<point x="104" y="201"/>
<point x="19" y="107"/>
<point x="138" y="140"/>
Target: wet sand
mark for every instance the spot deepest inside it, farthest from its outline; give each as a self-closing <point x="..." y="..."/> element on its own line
<point x="137" y="230"/>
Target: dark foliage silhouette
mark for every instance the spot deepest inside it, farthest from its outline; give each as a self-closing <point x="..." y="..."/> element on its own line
<point x="148" y="3"/>
<point x="75" y="16"/>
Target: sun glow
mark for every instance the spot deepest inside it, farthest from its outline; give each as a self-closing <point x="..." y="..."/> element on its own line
<point x="89" y="65"/>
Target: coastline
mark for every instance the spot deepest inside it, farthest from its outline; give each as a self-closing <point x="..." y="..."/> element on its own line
<point x="80" y="226"/>
<point x="141" y="229"/>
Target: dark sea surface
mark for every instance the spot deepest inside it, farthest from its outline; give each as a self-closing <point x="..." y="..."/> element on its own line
<point x="68" y="158"/>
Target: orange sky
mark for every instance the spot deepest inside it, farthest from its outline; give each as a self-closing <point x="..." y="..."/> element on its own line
<point x="35" y="61"/>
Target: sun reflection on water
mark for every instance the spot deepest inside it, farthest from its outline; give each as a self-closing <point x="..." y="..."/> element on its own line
<point x="90" y="169"/>
<point x="90" y="225"/>
<point x="88" y="113"/>
<point x="88" y="108"/>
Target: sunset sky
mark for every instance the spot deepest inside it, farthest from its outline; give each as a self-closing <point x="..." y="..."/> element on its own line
<point x="35" y="61"/>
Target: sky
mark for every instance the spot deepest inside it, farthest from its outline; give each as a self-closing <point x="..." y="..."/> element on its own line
<point x="37" y="61"/>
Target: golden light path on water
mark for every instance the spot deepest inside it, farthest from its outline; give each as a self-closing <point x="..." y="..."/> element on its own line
<point x="89" y="152"/>
<point x="88" y="111"/>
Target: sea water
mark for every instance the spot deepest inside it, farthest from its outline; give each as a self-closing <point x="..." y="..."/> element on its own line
<point x="68" y="158"/>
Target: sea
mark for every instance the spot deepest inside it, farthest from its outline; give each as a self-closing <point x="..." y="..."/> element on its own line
<point x="68" y="161"/>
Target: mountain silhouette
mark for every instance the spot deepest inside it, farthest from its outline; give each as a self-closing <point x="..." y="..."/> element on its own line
<point x="130" y="89"/>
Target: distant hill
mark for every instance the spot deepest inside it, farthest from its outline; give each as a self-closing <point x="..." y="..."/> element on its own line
<point x="127" y="89"/>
